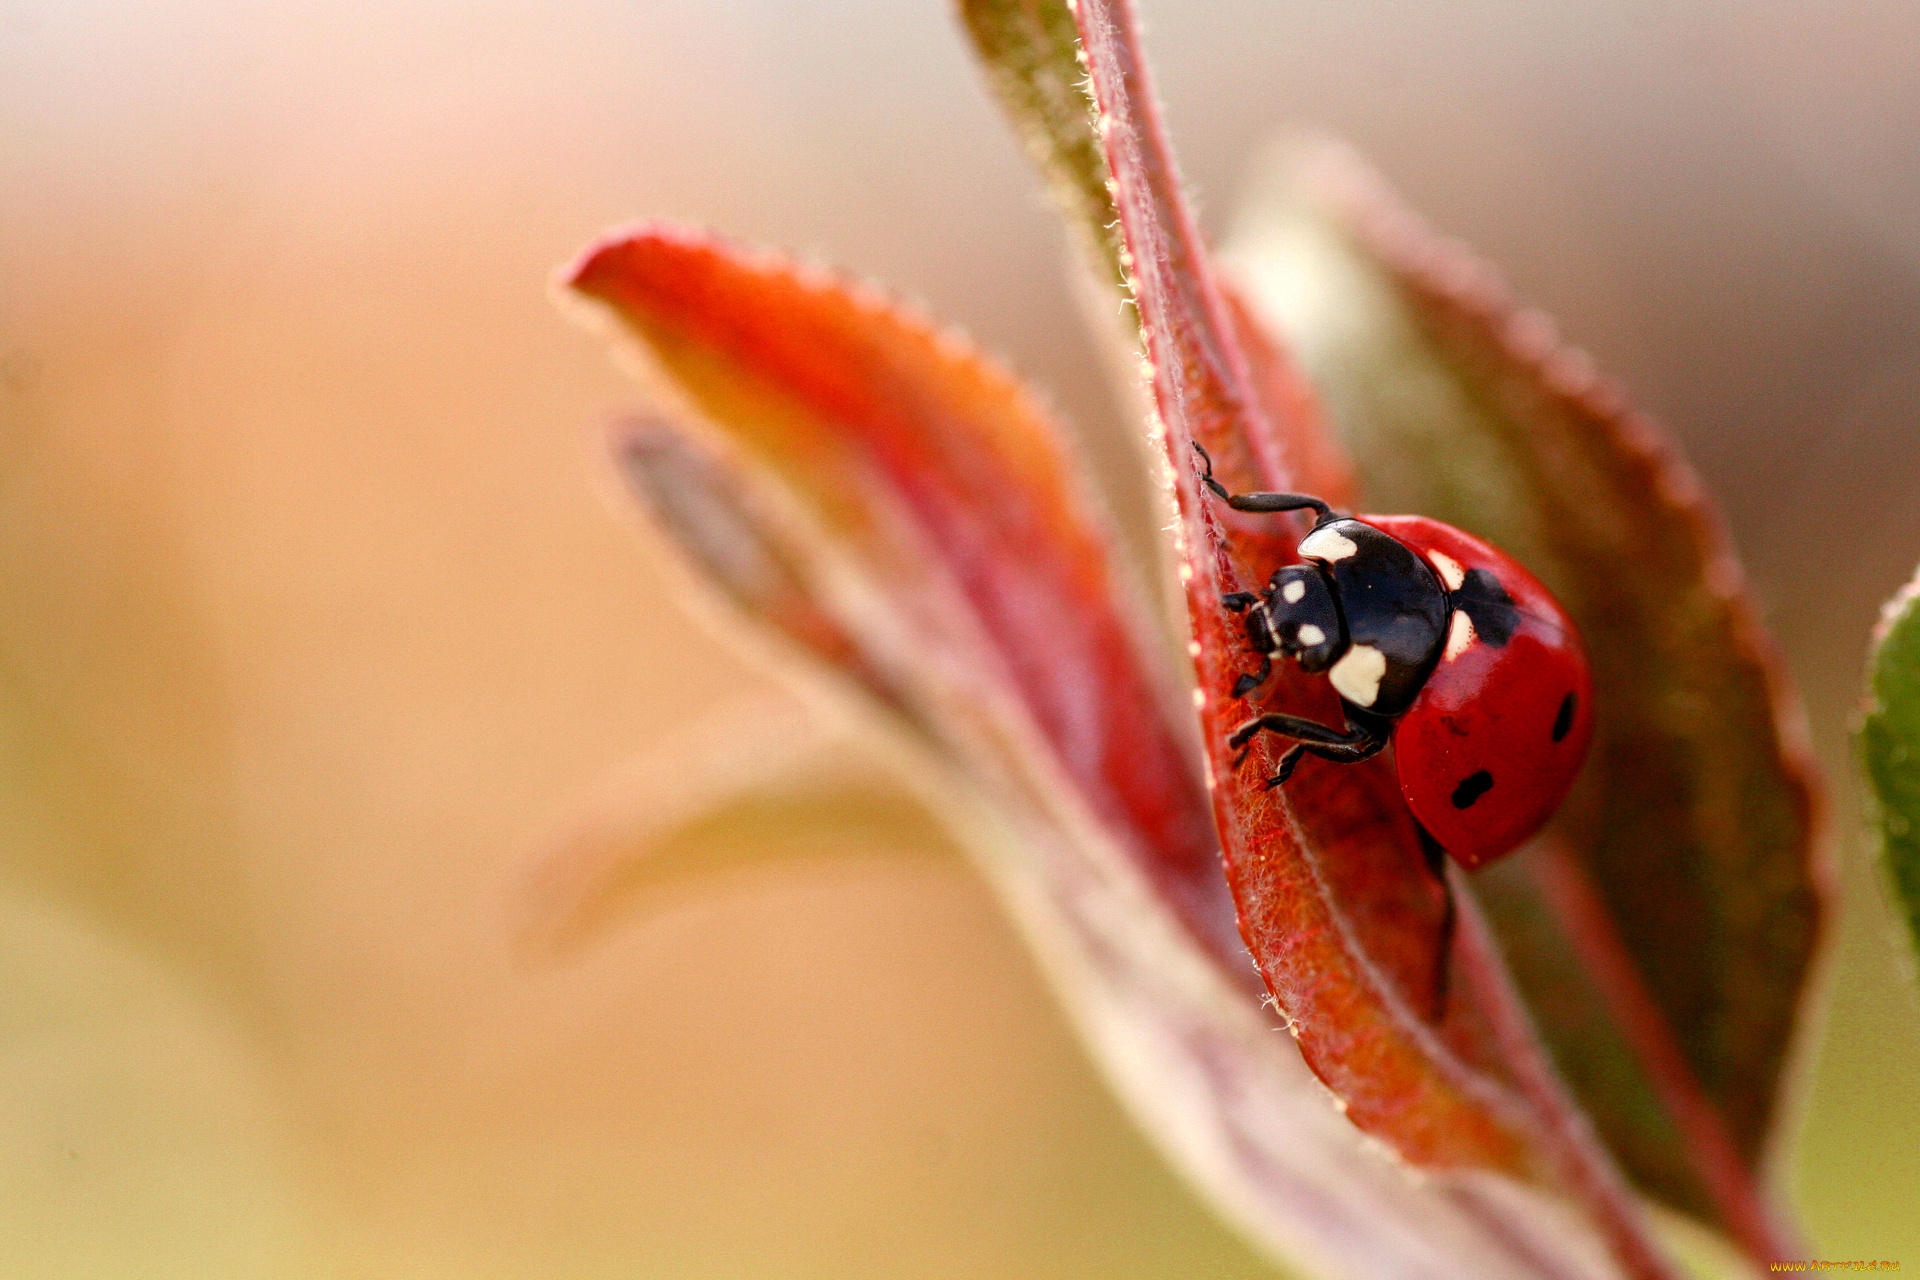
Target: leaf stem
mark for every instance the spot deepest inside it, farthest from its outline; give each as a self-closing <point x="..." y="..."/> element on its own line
<point x="1572" y="897"/>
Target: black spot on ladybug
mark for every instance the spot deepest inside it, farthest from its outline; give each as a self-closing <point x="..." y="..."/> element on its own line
<point x="1471" y="789"/>
<point x="1564" y="720"/>
<point x="1488" y="606"/>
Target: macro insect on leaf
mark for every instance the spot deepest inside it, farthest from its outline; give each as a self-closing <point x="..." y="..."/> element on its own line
<point x="1444" y="645"/>
<point x="895" y="505"/>
<point x="1438" y="640"/>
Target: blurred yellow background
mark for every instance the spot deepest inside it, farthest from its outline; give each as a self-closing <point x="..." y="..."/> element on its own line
<point x="318" y="632"/>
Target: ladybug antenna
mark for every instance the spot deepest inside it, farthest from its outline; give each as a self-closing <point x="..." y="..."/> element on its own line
<point x="1260" y="502"/>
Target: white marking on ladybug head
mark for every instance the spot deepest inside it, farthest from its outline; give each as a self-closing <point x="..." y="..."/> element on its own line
<point x="1310" y="635"/>
<point x="1292" y="592"/>
<point x="1356" y="677"/>
<point x="1328" y="544"/>
<point x="1450" y="571"/>
<point x="1459" y="636"/>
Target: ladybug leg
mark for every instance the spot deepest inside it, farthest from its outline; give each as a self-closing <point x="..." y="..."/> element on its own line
<point x="1449" y="918"/>
<point x="1345" y="747"/>
<point x="1364" y="750"/>
<point x="1238" y="601"/>
<point x="1342" y="755"/>
<point x="1287" y="763"/>
<point x="1252" y="680"/>
<point x="1258" y="501"/>
<point x="1341" y="741"/>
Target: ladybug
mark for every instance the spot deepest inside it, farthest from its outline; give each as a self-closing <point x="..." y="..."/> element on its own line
<point x="1437" y="642"/>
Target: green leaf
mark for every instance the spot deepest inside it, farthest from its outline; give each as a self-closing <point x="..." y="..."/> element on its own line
<point x="1030" y="50"/>
<point x="1890" y="746"/>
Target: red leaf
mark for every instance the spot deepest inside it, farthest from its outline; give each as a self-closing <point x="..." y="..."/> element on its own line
<point x="898" y="497"/>
<point x="1665" y="931"/>
<point x="1324" y="920"/>
<point x="904" y="436"/>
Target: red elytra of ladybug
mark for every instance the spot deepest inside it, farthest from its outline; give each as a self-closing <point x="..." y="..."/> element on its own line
<point x="1443" y="645"/>
<point x="1509" y="722"/>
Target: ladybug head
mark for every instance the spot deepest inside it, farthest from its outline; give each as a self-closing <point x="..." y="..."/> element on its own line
<point x="1297" y="618"/>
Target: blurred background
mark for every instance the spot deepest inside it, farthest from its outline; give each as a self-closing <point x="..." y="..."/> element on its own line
<point x="319" y="632"/>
